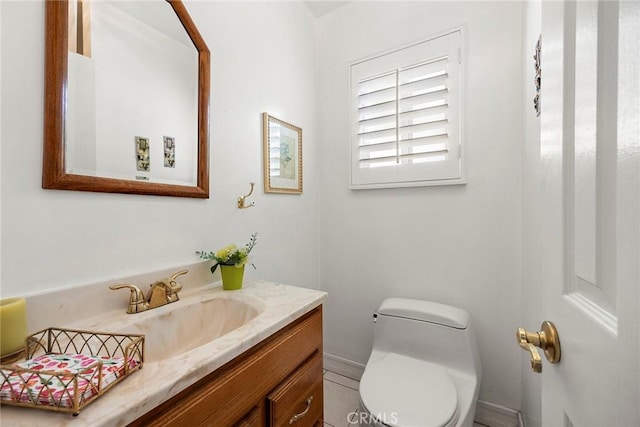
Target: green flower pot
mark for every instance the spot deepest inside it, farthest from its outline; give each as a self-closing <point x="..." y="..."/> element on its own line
<point x="231" y="277"/>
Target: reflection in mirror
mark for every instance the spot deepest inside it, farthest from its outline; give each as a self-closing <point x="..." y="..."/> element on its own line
<point x="127" y="98"/>
<point x="133" y="77"/>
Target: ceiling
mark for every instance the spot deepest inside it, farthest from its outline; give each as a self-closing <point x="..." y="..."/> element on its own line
<point x="322" y="7"/>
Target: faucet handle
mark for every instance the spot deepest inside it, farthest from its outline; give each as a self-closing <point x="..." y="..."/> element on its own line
<point x="179" y="273"/>
<point x="136" y="294"/>
<point x="174" y="287"/>
<point x="136" y="299"/>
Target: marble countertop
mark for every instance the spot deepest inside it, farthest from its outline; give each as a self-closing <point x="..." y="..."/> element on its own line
<point x="160" y="380"/>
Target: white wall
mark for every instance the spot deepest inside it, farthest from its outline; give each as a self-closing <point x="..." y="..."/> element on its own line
<point x="459" y="245"/>
<point x="263" y="59"/>
<point x="531" y="304"/>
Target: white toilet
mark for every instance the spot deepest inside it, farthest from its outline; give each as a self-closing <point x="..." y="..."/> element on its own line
<point x="424" y="369"/>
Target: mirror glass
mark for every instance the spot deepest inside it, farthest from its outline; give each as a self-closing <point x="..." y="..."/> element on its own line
<point x="132" y="93"/>
<point x="126" y="106"/>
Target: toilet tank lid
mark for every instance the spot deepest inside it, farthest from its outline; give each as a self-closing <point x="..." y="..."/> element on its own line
<point x="425" y="311"/>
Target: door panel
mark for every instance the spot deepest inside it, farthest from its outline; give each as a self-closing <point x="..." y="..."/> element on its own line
<point x="590" y="157"/>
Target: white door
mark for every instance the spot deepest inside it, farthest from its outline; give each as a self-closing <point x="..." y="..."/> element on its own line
<point x="590" y="153"/>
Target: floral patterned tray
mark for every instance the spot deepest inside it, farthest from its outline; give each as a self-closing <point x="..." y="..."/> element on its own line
<point x="67" y="369"/>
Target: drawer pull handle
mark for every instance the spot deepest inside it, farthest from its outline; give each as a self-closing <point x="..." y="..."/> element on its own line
<point x="296" y="417"/>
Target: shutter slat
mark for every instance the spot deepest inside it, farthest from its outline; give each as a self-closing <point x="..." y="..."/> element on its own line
<point x="423" y="130"/>
<point x="380" y="162"/>
<point x="424" y="69"/>
<point x="429" y="100"/>
<point x="422" y="87"/>
<point x="378" y="153"/>
<point x="427" y="140"/>
<point x="422" y="125"/>
<point x="378" y="124"/>
<point x="440" y="75"/>
<point x="380" y="145"/>
<point x="423" y="154"/>
<point x="433" y="135"/>
<point x="377" y="83"/>
<point x="391" y="102"/>
<point x="433" y="109"/>
<point x="375" y="118"/>
<point x="377" y="131"/>
<point x="421" y="117"/>
<point x="390" y="160"/>
<point x="441" y="93"/>
<point x="392" y="156"/>
<point x="434" y="156"/>
<point x="375" y="111"/>
<point x="377" y="137"/>
<point x="377" y="97"/>
<point x="382" y="89"/>
<point x="376" y="77"/>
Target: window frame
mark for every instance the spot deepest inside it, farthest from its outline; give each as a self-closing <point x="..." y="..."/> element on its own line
<point x="462" y="148"/>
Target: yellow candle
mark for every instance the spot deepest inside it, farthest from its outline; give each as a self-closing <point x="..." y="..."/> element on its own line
<point x="13" y="325"/>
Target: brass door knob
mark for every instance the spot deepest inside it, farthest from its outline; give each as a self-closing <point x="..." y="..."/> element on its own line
<point x="547" y="339"/>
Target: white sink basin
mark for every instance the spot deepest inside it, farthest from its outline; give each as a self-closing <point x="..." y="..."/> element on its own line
<point x="191" y="324"/>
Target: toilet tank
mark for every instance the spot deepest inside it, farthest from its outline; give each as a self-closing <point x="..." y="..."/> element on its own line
<point x="428" y="331"/>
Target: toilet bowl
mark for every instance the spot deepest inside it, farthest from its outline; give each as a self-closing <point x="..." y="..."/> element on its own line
<point x="424" y="369"/>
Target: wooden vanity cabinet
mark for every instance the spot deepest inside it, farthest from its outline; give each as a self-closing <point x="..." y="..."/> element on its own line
<point x="265" y="386"/>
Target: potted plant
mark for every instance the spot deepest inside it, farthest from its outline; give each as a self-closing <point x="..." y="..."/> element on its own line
<point x="231" y="260"/>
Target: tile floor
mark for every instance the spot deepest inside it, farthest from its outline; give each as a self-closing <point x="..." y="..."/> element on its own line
<point x="341" y="399"/>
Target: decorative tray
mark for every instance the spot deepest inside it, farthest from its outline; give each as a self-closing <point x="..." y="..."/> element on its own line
<point x="66" y="369"/>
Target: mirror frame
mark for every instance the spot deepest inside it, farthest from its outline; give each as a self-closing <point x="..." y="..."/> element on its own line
<point x="54" y="174"/>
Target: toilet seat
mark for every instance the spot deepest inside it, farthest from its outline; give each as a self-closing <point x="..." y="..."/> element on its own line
<point x="404" y="392"/>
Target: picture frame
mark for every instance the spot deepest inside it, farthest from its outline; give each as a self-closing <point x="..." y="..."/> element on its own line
<point x="169" y="152"/>
<point x="282" y="154"/>
<point x="143" y="161"/>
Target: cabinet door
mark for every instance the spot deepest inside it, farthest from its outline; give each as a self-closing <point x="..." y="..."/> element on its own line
<point x="298" y="401"/>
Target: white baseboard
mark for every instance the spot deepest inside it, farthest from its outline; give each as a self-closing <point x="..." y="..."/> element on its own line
<point x="342" y="366"/>
<point x="531" y="421"/>
<point x="520" y="420"/>
<point x="489" y="414"/>
<point x="497" y="416"/>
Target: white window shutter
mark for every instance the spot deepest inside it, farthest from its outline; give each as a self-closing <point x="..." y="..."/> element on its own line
<point x="406" y="121"/>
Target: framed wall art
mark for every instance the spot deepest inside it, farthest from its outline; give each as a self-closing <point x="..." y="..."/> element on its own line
<point x="143" y="163"/>
<point x="169" y="152"/>
<point x="282" y="144"/>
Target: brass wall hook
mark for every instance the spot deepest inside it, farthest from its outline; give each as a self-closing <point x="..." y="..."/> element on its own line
<point x="241" y="199"/>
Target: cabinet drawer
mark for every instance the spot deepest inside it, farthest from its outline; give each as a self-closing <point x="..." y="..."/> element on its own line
<point x="252" y="419"/>
<point x="298" y="401"/>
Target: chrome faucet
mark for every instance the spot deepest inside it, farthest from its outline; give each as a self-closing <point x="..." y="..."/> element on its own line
<point x="162" y="292"/>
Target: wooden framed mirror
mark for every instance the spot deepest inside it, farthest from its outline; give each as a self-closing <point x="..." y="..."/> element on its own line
<point x="57" y="171"/>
